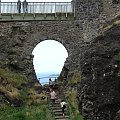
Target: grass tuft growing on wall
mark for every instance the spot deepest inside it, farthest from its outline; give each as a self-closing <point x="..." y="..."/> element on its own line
<point x="75" y="77"/>
<point x="72" y="98"/>
<point x="118" y="56"/>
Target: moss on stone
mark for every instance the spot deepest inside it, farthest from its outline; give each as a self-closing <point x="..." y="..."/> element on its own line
<point x="76" y="78"/>
<point x="10" y="77"/>
<point x="118" y="56"/>
<point x="108" y="26"/>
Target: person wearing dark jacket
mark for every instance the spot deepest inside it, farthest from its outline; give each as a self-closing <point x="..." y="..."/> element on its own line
<point x="19" y="6"/>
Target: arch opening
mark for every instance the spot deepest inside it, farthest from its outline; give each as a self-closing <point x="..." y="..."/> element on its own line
<point x="48" y="61"/>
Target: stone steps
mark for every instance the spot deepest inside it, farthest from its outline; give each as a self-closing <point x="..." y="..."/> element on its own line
<point x="60" y="113"/>
<point x="61" y="117"/>
<point x="56" y="108"/>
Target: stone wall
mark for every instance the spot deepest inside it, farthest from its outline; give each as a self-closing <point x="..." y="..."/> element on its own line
<point x="22" y="37"/>
<point x="89" y="14"/>
<point x="99" y="89"/>
<point x="92" y="14"/>
<point x="111" y="9"/>
<point x="99" y="94"/>
<point x="18" y="40"/>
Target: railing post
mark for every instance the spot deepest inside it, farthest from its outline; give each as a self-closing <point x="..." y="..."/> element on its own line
<point x="55" y="11"/>
<point x="44" y="11"/>
<point x="33" y="10"/>
<point x="61" y="8"/>
<point x="0" y="9"/>
<point x="74" y="7"/>
<point x="51" y="7"/>
<point x="33" y="7"/>
<point x="66" y="11"/>
<point x="23" y="15"/>
<point x="11" y="11"/>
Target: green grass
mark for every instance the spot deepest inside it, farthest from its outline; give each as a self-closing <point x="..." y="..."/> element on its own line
<point x="74" y="105"/>
<point x="15" y="78"/>
<point x="118" y="56"/>
<point x="75" y="78"/>
<point x="39" y="112"/>
<point x="10" y="82"/>
<point x="31" y="106"/>
<point x="108" y="26"/>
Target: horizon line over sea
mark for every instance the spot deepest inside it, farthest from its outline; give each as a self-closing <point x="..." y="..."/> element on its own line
<point x="44" y="77"/>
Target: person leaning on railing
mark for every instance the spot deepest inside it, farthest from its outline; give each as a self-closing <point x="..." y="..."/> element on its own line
<point x="19" y="6"/>
<point x="51" y="83"/>
<point x="25" y="6"/>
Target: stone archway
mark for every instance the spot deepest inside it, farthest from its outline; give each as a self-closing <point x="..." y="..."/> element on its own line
<point x="70" y="47"/>
<point x="22" y="37"/>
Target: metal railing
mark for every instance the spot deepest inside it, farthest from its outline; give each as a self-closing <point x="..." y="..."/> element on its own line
<point x="38" y="7"/>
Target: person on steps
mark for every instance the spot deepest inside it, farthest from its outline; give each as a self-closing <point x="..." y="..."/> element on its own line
<point x="63" y="106"/>
<point x="52" y="96"/>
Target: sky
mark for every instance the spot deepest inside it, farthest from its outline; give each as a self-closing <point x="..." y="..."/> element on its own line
<point x="49" y="56"/>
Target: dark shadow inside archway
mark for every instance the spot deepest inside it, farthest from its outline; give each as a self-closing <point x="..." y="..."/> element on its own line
<point x="48" y="61"/>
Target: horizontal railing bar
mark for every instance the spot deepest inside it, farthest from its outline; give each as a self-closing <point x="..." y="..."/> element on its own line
<point x="36" y="7"/>
<point x="37" y="2"/>
<point x="54" y="82"/>
<point x="46" y="77"/>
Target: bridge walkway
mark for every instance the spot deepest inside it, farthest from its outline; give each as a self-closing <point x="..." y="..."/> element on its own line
<point x="37" y="11"/>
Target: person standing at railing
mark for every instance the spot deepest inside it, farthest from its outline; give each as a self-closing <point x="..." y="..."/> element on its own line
<point x="19" y="6"/>
<point x="51" y="84"/>
<point x="25" y="6"/>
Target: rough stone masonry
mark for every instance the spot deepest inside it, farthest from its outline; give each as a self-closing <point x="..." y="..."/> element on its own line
<point x="99" y="90"/>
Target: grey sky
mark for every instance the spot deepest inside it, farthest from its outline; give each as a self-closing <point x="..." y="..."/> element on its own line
<point x="49" y="56"/>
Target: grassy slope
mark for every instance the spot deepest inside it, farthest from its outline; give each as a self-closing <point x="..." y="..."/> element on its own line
<point x="31" y="107"/>
<point x="33" y="112"/>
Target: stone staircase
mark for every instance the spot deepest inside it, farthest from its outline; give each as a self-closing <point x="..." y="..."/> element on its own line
<point x="57" y="112"/>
